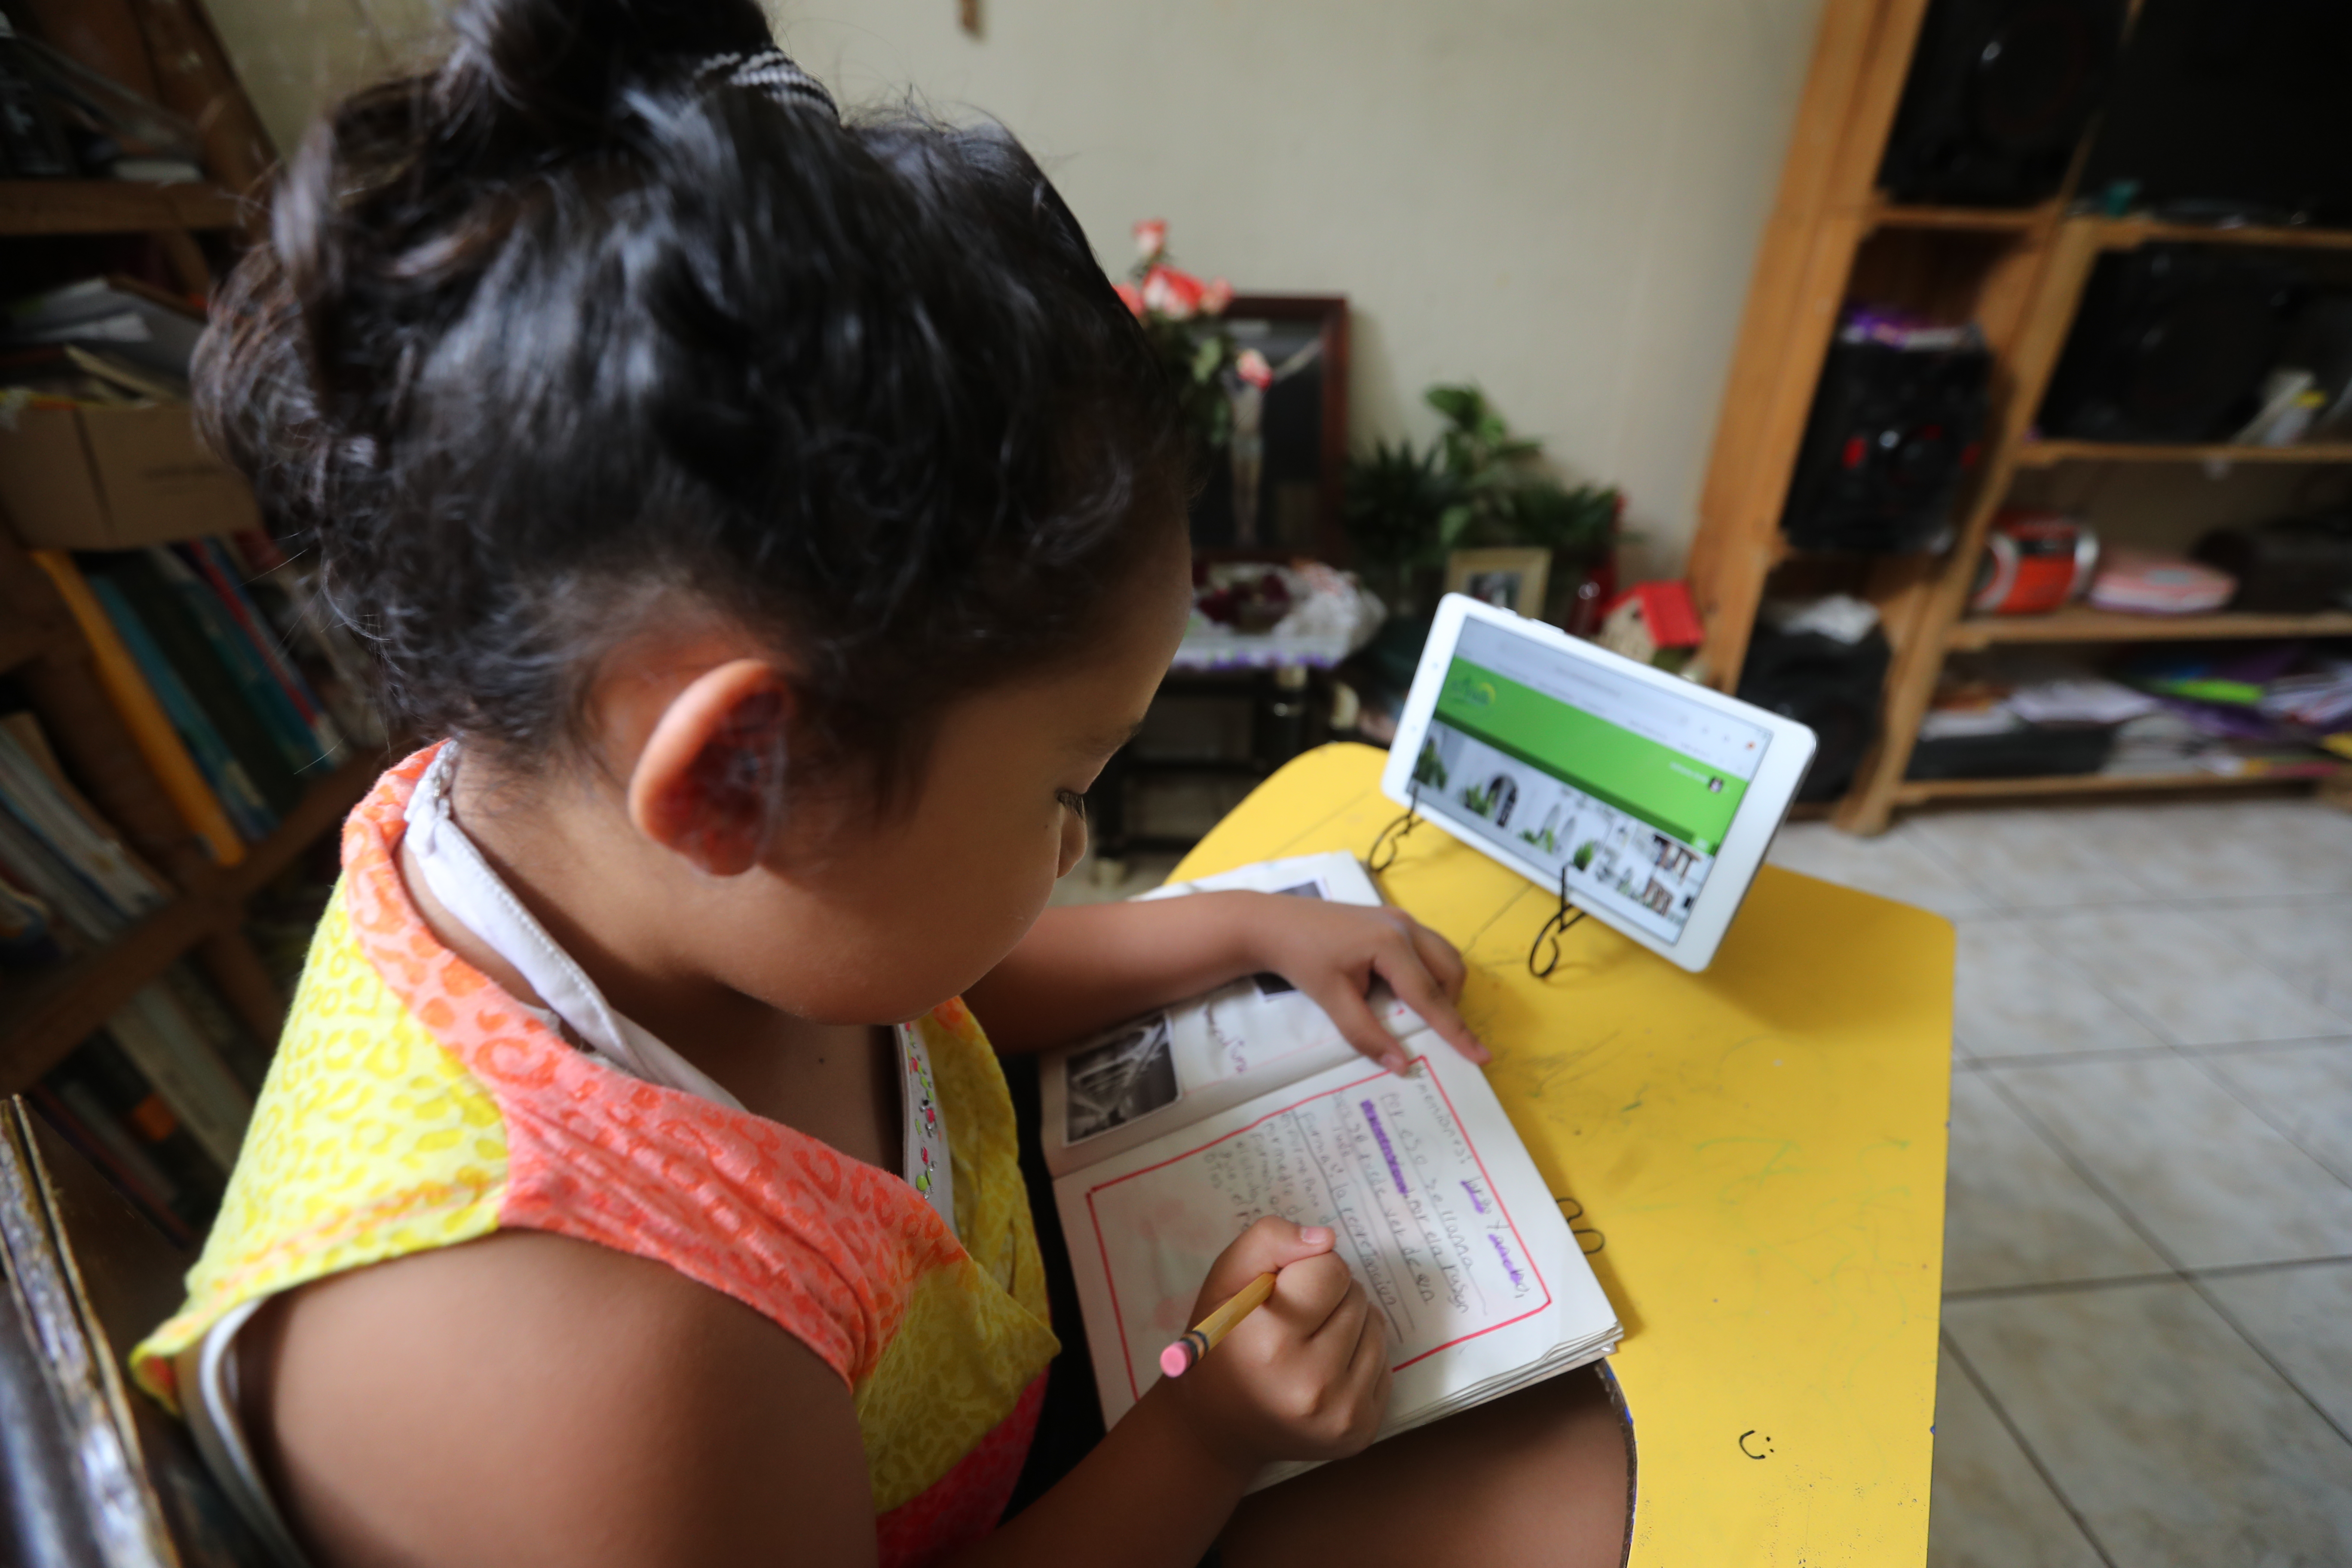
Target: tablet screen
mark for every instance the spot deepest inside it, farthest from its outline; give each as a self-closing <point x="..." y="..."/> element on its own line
<point x="1562" y="763"/>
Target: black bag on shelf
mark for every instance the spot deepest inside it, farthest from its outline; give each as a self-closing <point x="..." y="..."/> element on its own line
<point x="1832" y="685"/>
<point x="2292" y="566"/>
<point x="1999" y="93"/>
<point x="1893" y="432"/>
<point x="2172" y="344"/>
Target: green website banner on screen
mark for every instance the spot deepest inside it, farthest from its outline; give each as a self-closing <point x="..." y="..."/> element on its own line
<point x="1671" y="790"/>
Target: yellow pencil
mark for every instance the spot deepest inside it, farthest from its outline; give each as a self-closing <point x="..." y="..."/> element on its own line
<point x="1178" y="1359"/>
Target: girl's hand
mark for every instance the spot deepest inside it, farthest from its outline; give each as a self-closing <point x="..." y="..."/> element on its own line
<point x="1333" y="952"/>
<point x="1306" y="1376"/>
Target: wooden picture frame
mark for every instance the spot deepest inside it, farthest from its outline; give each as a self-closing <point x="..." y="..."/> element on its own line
<point x="1304" y="458"/>
<point x="1514" y="579"/>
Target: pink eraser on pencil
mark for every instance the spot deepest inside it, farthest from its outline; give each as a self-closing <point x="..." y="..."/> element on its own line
<point x="1176" y="1360"/>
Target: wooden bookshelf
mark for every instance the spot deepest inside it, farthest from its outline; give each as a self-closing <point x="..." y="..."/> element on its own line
<point x="52" y="1013"/>
<point x="114" y="207"/>
<point x="2077" y="625"/>
<point x="2131" y="233"/>
<point x="23" y="641"/>
<point x="320" y="811"/>
<point x="44" y="1016"/>
<point x="2048" y="454"/>
<point x="1920" y="792"/>
<point x="2019" y="276"/>
<point x="59" y="1009"/>
<point x="1979" y="220"/>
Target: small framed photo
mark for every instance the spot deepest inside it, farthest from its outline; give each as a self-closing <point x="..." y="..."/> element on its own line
<point x="1511" y="580"/>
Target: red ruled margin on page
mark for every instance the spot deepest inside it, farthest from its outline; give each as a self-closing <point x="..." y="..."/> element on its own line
<point x="1119" y="1315"/>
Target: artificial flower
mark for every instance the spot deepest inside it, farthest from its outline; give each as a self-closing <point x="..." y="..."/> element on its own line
<point x="1175" y="295"/>
<point x="1178" y="314"/>
<point x="1251" y="366"/>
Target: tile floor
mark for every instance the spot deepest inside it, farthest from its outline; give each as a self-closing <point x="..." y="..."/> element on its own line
<point x="2148" y="1268"/>
<point x="2147" y="1253"/>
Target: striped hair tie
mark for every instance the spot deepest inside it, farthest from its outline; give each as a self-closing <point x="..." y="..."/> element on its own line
<point x="769" y="71"/>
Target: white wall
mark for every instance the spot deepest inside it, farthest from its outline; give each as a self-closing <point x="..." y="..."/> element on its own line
<point x="1558" y="199"/>
<point x="295" y="55"/>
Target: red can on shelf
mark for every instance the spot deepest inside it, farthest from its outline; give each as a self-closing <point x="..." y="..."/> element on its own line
<point x="2034" y="562"/>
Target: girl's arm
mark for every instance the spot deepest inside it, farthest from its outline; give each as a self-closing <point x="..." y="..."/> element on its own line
<point x="1083" y="969"/>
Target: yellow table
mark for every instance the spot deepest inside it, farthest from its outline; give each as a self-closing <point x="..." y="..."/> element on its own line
<point x="1759" y="1152"/>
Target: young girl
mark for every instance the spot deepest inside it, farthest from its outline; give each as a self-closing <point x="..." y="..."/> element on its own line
<point x="783" y="520"/>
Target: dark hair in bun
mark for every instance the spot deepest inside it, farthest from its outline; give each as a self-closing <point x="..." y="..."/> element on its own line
<point x="561" y="323"/>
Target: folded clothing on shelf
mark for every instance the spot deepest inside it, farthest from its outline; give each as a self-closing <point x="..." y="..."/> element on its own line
<point x="2138" y="582"/>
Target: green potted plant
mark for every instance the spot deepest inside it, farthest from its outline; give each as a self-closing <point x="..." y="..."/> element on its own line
<point x="1476" y="485"/>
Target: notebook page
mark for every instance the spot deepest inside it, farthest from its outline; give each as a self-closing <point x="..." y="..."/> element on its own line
<point x="1336" y="875"/>
<point x="1132" y="1083"/>
<point x="1440" y="1214"/>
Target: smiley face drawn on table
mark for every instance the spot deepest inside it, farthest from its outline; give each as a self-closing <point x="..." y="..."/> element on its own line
<point x="1760" y="1448"/>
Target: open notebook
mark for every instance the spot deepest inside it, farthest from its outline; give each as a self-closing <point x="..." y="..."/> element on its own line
<point x="1168" y="1135"/>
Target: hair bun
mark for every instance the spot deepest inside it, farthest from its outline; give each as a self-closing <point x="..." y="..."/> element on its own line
<point x="556" y="66"/>
<point x="600" y="311"/>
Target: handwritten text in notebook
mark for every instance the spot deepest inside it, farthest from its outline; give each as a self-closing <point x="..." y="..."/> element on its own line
<point x="1383" y="1161"/>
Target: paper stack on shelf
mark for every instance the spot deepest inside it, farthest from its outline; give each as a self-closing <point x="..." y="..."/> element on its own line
<point x="55" y="848"/>
<point x="114" y="315"/>
<point x="2078" y="700"/>
<point x="2319" y="700"/>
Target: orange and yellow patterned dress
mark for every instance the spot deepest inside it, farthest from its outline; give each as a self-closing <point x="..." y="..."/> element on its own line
<point x="415" y="1104"/>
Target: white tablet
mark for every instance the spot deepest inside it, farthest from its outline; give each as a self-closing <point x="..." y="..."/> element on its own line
<point x="1658" y="797"/>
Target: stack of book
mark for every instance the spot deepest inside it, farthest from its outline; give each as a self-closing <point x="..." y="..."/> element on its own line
<point x="238" y="695"/>
<point x="67" y="883"/>
<point x="153" y="1101"/>
<point x="134" y="339"/>
<point x="159" y="1098"/>
<point x="124" y="90"/>
<point x="65" y="120"/>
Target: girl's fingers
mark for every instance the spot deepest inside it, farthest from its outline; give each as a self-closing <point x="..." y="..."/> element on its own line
<point x="1312" y="1290"/>
<point x="1329" y="1358"/>
<point x="1337" y="995"/>
<point x="1345" y="1326"/>
<point x="1440" y="957"/>
<point x="1272" y="1245"/>
<point x="1411" y="980"/>
<point x="1422" y="967"/>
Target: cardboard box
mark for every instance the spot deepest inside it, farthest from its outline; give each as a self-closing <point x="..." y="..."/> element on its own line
<point x="95" y="477"/>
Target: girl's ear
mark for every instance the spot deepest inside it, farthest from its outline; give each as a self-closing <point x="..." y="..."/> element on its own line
<point x="710" y="777"/>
